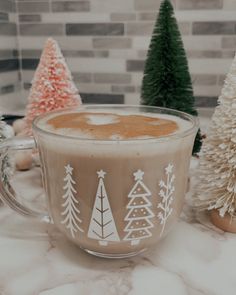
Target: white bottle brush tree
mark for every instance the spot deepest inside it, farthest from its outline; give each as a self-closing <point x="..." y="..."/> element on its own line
<point x="6" y="132"/>
<point x="216" y="174"/>
<point x="102" y="225"/>
<point x="139" y="213"/>
<point x="166" y="194"/>
<point x="71" y="211"/>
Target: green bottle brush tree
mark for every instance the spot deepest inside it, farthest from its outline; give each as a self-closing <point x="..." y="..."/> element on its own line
<point x="166" y="81"/>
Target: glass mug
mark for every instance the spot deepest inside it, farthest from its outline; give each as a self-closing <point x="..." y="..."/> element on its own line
<point x="113" y="198"/>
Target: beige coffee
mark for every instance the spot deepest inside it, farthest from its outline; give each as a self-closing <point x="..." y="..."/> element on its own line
<point x="115" y="181"/>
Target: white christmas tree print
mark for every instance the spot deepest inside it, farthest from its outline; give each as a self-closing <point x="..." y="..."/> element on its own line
<point x="102" y="225"/>
<point x="166" y="193"/>
<point x="71" y="211"/>
<point x="139" y="214"/>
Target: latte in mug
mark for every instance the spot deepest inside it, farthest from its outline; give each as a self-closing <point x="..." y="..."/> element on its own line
<point x="114" y="188"/>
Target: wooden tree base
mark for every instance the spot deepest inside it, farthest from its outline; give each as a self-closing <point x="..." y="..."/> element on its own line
<point x="226" y="223"/>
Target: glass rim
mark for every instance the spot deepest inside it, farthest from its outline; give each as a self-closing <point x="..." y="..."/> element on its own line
<point x="157" y="110"/>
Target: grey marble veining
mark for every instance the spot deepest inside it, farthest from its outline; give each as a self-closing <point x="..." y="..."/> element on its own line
<point x="194" y="259"/>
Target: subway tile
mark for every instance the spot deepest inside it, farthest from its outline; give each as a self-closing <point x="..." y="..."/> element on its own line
<point x="214" y="28"/>
<point x="102" y="98"/>
<point x="78" y="53"/>
<point x="210" y="54"/>
<point x="228" y="54"/>
<point x="82" y="77"/>
<point x="100" y="29"/>
<point x="209" y="66"/>
<point x="27" y="85"/>
<point x="141" y="42"/>
<point x="7" y="5"/>
<point x="109" y="6"/>
<point x="41" y="29"/>
<point x="147" y="16"/>
<point x="31" y="53"/>
<point x="185" y="28"/>
<point x="123" y="53"/>
<point x="37" y="7"/>
<point x="85" y="53"/>
<point x="123" y="16"/>
<point x="202" y="42"/>
<point x="205" y="101"/>
<point x="201" y="79"/>
<point x="122" y="88"/>
<point x="8" y="43"/>
<point x="8" y="54"/>
<point x="9" y="78"/>
<point x="101" y="53"/>
<point x="8" y="65"/>
<point x="202" y="90"/>
<point x="135" y="65"/>
<point x="29" y="18"/>
<point x="204" y="53"/>
<point x="94" y="88"/>
<point x="138" y="88"/>
<point x="7" y="89"/>
<point x="4" y="16"/>
<point x="29" y="63"/>
<point x="199" y="4"/>
<point x="137" y="78"/>
<point x="221" y="80"/>
<point x="142" y="54"/>
<point x="113" y="78"/>
<point x="229" y="42"/>
<point x="65" y="42"/>
<point x="143" y="28"/>
<point x="112" y="43"/>
<point x="229" y="4"/>
<point x="75" y="17"/>
<point x="132" y="98"/>
<point x="8" y="29"/>
<point x="147" y="5"/>
<point x="70" y="6"/>
<point x="96" y="65"/>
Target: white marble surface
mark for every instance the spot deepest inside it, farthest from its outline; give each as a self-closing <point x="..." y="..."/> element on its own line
<point x="193" y="259"/>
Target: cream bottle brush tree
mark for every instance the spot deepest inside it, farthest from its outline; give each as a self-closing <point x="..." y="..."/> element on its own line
<point x="6" y="132"/>
<point x="216" y="174"/>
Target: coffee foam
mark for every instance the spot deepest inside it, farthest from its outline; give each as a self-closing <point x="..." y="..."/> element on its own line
<point x="104" y="125"/>
<point x="96" y="119"/>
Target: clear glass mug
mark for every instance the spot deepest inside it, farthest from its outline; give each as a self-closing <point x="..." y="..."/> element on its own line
<point x="113" y="198"/>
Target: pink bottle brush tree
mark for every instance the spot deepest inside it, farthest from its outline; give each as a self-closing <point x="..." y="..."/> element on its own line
<point x="52" y="89"/>
<point x="52" y="86"/>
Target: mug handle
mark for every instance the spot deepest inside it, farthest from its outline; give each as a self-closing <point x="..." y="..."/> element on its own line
<point x="7" y="192"/>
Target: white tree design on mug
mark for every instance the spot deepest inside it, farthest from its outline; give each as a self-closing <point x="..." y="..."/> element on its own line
<point x="139" y="214"/>
<point x="102" y="225"/>
<point x="71" y="211"/>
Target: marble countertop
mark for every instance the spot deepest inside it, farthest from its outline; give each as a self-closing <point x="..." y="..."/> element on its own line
<point x="194" y="259"/>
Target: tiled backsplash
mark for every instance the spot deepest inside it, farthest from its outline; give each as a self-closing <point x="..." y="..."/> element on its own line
<point x="105" y="43"/>
<point x="9" y="63"/>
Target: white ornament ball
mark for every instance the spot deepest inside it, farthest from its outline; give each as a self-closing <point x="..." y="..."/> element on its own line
<point x="7" y="131"/>
<point x="23" y="160"/>
<point x="19" y="125"/>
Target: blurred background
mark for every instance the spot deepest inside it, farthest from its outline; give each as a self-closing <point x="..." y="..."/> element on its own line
<point x="105" y="44"/>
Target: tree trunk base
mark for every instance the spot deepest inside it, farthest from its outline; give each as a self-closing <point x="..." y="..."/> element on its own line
<point x="226" y="223"/>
